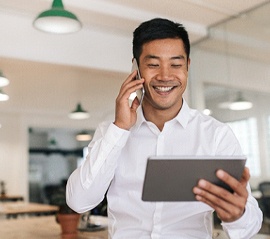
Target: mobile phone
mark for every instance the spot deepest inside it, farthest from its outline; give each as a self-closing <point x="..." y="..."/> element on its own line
<point x="140" y="92"/>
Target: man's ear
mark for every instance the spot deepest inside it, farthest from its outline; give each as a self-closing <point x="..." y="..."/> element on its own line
<point x="188" y="63"/>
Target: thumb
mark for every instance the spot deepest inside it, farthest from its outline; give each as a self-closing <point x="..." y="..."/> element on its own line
<point x="245" y="176"/>
<point x="135" y="104"/>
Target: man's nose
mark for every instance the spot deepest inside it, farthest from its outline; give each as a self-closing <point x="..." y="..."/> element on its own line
<point x="164" y="73"/>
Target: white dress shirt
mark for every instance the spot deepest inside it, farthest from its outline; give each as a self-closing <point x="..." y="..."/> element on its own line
<point x="117" y="160"/>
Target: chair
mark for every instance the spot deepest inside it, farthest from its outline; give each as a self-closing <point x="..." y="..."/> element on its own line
<point x="264" y="187"/>
<point x="49" y="191"/>
<point x="264" y="201"/>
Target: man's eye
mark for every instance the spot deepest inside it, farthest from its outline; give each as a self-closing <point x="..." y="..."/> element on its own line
<point x="176" y="65"/>
<point x="152" y="65"/>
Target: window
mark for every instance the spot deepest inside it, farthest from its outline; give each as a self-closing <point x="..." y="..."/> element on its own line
<point x="247" y="135"/>
<point x="268" y="139"/>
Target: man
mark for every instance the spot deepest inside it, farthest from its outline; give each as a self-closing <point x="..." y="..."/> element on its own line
<point x="162" y="125"/>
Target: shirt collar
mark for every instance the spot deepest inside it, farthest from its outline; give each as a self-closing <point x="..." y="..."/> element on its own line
<point x="182" y="117"/>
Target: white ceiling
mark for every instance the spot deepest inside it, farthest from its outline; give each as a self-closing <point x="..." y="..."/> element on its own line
<point x="121" y="15"/>
<point x="247" y="36"/>
<point x="101" y="51"/>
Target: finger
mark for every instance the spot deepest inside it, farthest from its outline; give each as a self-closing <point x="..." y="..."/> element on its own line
<point x="237" y="186"/>
<point x="245" y="176"/>
<point x="217" y="207"/>
<point x="219" y="195"/>
<point x="212" y="192"/>
<point x="129" y="86"/>
<point x="227" y="205"/>
<point x="135" y="103"/>
<point x="226" y="211"/>
<point x="131" y="77"/>
<point x="125" y="93"/>
<point x="127" y="90"/>
<point x="222" y="212"/>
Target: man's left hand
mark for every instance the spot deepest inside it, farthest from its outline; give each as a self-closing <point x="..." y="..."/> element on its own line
<point x="228" y="206"/>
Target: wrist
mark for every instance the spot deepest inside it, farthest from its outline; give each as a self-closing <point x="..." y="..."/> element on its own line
<point x="121" y="126"/>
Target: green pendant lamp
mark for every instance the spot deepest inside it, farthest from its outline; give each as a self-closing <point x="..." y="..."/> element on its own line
<point x="79" y="113"/>
<point x="57" y="20"/>
<point x="3" y="80"/>
<point x="83" y="136"/>
<point x="3" y="96"/>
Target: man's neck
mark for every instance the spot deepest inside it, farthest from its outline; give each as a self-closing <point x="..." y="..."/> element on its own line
<point x="160" y="117"/>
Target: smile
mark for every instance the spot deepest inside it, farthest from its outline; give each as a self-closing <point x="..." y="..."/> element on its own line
<point x="163" y="89"/>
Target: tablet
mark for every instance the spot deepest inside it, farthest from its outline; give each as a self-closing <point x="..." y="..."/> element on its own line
<point x="173" y="178"/>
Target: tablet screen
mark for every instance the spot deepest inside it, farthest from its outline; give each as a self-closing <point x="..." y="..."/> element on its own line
<point x="173" y="178"/>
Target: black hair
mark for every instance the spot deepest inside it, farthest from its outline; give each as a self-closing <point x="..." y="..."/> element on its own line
<point x="158" y="28"/>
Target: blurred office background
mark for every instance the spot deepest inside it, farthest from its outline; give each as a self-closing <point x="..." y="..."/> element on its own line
<point x="50" y="74"/>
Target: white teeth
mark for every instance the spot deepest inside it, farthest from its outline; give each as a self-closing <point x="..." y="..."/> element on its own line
<point x="163" y="89"/>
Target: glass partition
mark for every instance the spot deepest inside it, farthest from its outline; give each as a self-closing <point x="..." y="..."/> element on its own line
<point x="234" y="62"/>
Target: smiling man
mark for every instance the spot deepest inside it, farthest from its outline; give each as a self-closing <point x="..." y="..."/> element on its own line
<point x="162" y="125"/>
<point x="164" y="67"/>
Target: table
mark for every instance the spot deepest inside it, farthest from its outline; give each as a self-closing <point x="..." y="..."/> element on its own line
<point x="44" y="227"/>
<point x="219" y="234"/>
<point x="12" y="198"/>
<point x="256" y="194"/>
<point x="13" y="209"/>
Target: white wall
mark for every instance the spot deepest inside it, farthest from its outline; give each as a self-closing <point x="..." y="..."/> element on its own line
<point x="209" y="67"/>
<point x="13" y="154"/>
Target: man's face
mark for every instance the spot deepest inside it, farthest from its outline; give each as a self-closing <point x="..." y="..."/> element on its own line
<point x="164" y="66"/>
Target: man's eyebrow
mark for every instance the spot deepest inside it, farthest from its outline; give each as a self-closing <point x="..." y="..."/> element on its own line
<point x="151" y="57"/>
<point x="180" y="57"/>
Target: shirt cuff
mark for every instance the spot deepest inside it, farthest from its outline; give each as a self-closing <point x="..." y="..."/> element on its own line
<point x="116" y="136"/>
<point x="239" y="223"/>
<point x="238" y="228"/>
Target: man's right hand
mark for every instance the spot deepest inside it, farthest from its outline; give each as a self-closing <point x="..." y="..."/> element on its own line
<point x="125" y="115"/>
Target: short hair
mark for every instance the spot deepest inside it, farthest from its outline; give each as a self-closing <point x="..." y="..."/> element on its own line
<point x="155" y="29"/>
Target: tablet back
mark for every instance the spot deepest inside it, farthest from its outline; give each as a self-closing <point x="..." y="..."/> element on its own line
<point x="173" y="178"/>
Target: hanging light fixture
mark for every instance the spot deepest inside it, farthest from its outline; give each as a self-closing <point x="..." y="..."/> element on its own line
<point x="3" y="80"/>
<point x="207" y="111"/>
<point x="83" y="136"/>
<point x="79" y="113"/>
<point x="3" y="96"/>
<point x="240" y="103"/>
<point x="57" y="20"/>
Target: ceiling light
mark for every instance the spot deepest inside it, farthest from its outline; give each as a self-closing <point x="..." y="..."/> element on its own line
<point x="3" y="80"/>
<point x="225" y="105"/>
<point x="79" y="113"/>
<point x="3" y="96"/>
<point x="83" y="136"/>
<point x="207" y="111"/>
<point x="240" y="104"/>
<point x="57" y="20"/>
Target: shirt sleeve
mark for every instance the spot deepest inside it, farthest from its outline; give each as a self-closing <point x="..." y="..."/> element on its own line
<point x="250" y="222"/>
<point x="88" y="184"/>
